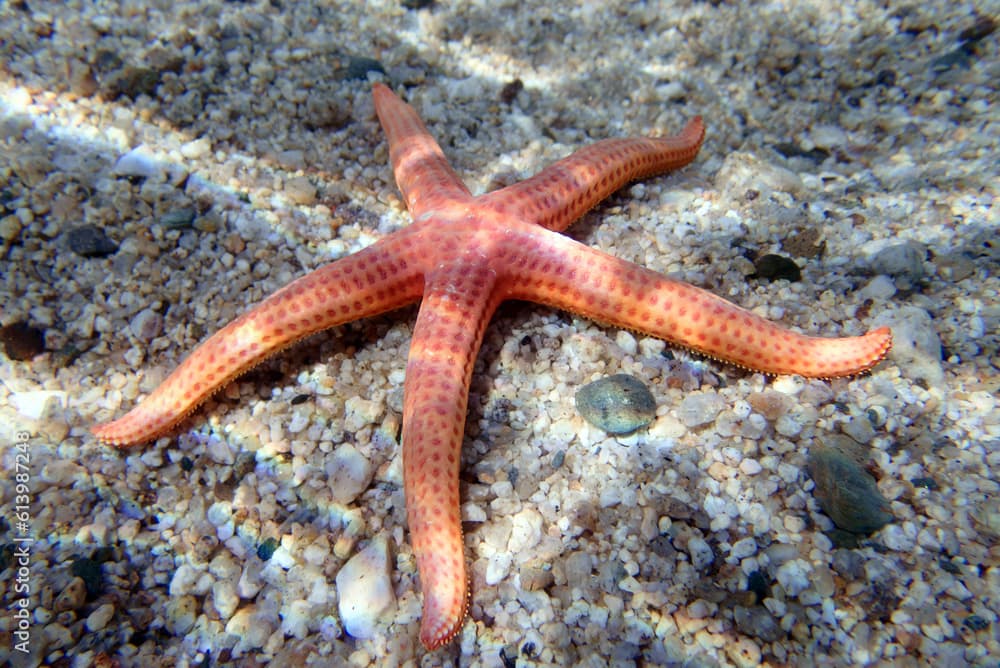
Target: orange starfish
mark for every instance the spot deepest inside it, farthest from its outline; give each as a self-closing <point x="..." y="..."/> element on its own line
<point x="461" y="257"/>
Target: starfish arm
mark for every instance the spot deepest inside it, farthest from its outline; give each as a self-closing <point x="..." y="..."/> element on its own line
<point x="562" y="192"/>
<point x="379" y="278"/>
<point x="456" y="308"/>
<point x="422" y="172"/>
<point x="583" y="280"/>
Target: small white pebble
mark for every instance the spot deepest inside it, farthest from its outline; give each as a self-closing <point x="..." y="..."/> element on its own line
<point x="743" y="548"/>
<point x="701" y="553"/>
<point x="365" y="590"/>
<point x="198" y="148"/>
<point x="348" y="473"/>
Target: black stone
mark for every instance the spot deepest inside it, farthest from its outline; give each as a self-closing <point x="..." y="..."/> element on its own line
<point x="90" y="241"/>
<point x="21" y="341"/>
<point x="777" y="267"/>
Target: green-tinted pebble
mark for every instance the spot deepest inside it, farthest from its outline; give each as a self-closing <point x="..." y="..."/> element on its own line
<point x="846" y="492"/>
<point x="266" y="549"/>
<point x="617" y="404"/>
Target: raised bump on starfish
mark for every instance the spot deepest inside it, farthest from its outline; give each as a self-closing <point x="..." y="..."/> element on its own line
<point x="464" y="256"/>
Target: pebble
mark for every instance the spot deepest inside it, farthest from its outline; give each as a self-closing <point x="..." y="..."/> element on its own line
<point x="358" y="67"/>
<point x="859" y="428"/>
<point x="72" y="596"/>
<point x="757" y="622"/>
<point x="526" y="532"/>
<point x="364" y="588"/>
<point x="743" y="548"/>
<point x="300" y="190"/>
<point x="700" y="552"/>
<point x="100" y="617"/>
<point x="348" y="473"/>
<point x="793" y="576"/>
<point x="138" y="163"/>
<point x="90" y="571"/>
<point x="849" y="564"/>
<point x="360" y="412"/>
<point x="700" y="408"/>
<point x="744" y="652"/>
<point x="267" y="548"/>
<point x="178" y="219"/>
<point x="916" y="346"/>
<point x="742" y="171"/>
<point x="219" y="450"/>
<point x="771" y="404"/>
<point x="21" y="341"/>
<point x="954" y="266"/>
<point x="182" y="612"/>
<point x="197" y="148"/>
<point x="617" y="404"/>
<point x="10" y="228"/>
<point x="846" y="492"/>
<point x="904" y="262"/>
<point x="90" y="241"/>
<point x="780" y="553"/>
<point x="225" y="597"/>
<point x="252" y="626"/>
<point x="56" y="636"/>
<point x="880" y="288"/>
<point x="776" y="267"/>
<point x="146" y="325"/>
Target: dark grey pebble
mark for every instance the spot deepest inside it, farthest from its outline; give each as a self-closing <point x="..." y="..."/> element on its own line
<point x="89" y="570"/>
<point x="901" y="261"/>
<point x="849" y="564"/>
<point x="776" y="267"/>
<point x="663" y="546"/>
<point x="847" y="492"/>
<point x="757" y="583"/>
<point x="90" y="241"/>
<point x="976" y="623"/>
<point x="757" y="622"/>
<point x="358" y="67"/>
<point x="793" y="150"/>
<point x="617" y="404"/>
<point x="178" y="218"/>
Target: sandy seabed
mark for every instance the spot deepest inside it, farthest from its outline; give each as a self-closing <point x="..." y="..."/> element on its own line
<point x="211" y="152"/>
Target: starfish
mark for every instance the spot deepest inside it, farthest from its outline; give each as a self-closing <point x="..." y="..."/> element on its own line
<point x="461" y="257"/>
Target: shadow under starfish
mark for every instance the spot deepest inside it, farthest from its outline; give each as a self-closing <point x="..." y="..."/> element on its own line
<point x="460" y="258"/>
